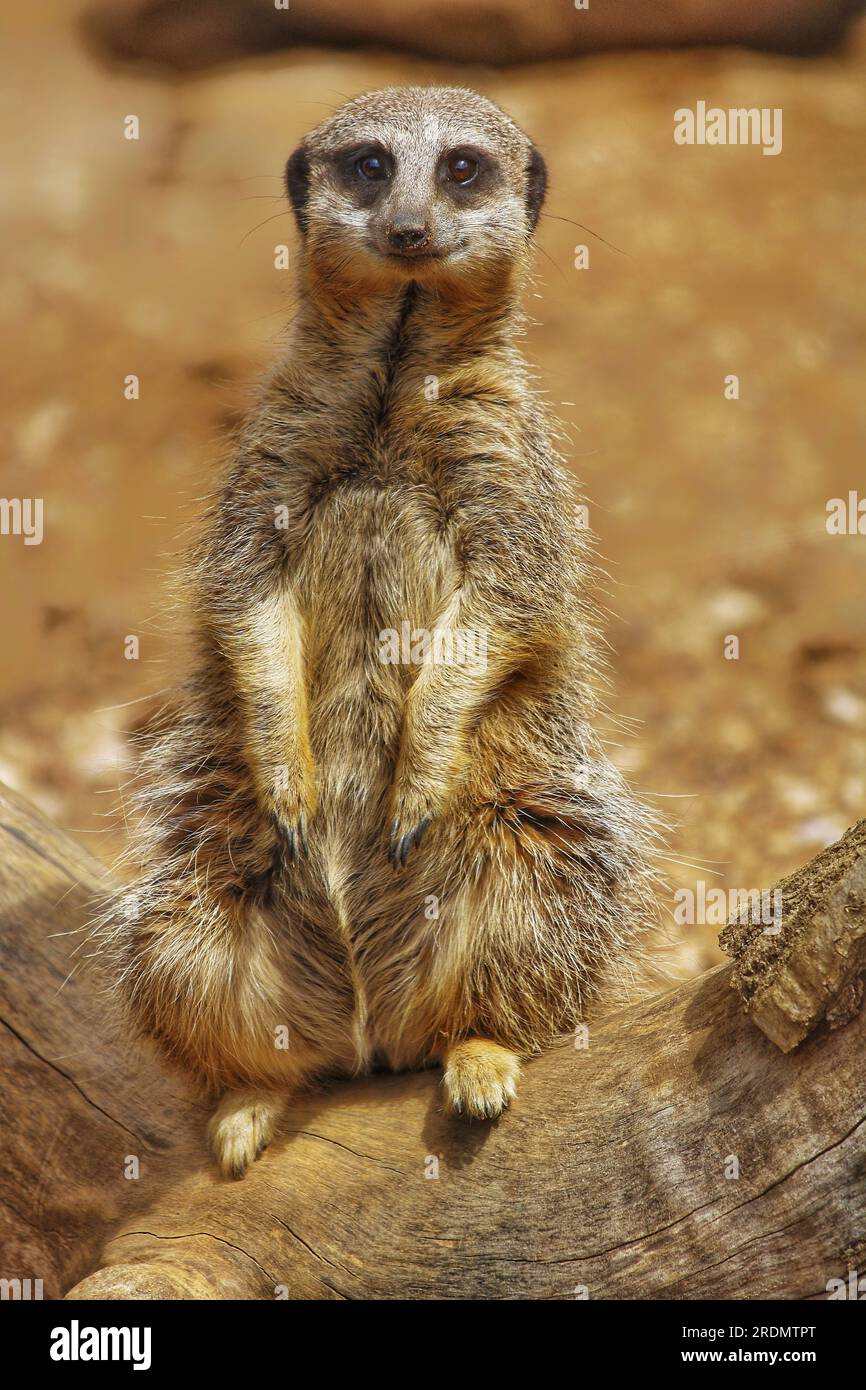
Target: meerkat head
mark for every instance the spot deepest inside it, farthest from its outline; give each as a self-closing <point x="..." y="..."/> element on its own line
<point x="417" y="182"/>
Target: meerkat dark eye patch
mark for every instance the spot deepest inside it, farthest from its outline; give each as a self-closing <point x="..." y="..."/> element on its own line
<point x="298" y="185"/>
<point x="536" y="186"/>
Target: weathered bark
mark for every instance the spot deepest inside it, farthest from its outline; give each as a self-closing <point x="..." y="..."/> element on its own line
<point x="608" y="1174"/>
<point x="808" y="965"/>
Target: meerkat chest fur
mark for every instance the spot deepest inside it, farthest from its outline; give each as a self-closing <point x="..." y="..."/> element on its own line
<point x="394" y="440"/>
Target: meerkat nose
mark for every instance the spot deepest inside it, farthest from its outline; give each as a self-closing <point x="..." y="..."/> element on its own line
<point x="408" y="235"/>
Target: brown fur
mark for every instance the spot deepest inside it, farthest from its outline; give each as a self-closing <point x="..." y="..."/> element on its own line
<point x="293" y="759"/>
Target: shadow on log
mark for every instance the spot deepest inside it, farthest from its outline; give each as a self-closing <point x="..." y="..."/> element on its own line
<point x="608" y="1178"/>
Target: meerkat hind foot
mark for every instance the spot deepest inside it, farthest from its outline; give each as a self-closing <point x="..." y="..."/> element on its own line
<point x="480" y="1078"/>
<point x="241" y="1127"/>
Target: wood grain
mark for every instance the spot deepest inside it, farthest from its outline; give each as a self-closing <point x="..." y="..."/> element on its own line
<point x="606" y="1179"/>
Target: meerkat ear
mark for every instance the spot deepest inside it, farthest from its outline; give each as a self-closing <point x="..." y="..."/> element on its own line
<point x="536" y="186"/>
<point x="298" y="185"/>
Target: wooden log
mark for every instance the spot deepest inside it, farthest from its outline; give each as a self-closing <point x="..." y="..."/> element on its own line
<point x="681" y="1154"/>
<point x="188" y="35"/>
<point x="805" y="962"/>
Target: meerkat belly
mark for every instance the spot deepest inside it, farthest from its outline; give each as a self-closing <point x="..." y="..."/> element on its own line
<point x="375" y="571"/>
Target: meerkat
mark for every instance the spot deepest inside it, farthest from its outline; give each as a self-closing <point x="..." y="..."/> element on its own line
<point x="356" y="852"/>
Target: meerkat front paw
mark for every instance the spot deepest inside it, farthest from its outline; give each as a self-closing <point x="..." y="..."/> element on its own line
<point x="291" y="802"/>
<point x="411" y="811"/>
<point x="241" y="1127"/>
<point x="480" y="1078"/>
<point x="292" y="826"/>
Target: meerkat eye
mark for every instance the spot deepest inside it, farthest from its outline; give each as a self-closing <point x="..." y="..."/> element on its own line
<point x="373" y="167"/>
<point x="462" y="167"/>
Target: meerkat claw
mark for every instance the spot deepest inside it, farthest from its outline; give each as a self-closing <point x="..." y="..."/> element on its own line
<point x="295" y="835"/>
<point x="400" y="845"/>
<point x="400" y="851"/>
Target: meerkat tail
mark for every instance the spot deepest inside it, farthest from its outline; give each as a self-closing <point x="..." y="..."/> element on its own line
<point x="480" y="1077"/>
<point x="241" y="1128"/>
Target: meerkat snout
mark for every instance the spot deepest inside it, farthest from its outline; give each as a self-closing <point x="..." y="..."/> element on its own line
<point x="423" y="183"/>
<point x="407" y="237"/>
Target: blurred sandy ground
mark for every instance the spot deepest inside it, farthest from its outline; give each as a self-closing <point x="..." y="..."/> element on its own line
<point x="146" y="257"/>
